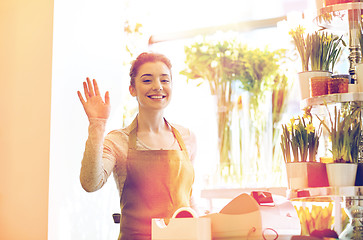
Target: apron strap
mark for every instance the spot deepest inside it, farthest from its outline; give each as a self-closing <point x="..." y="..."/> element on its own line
<point x="132" y="134"/>
<point x="178" y="137"/>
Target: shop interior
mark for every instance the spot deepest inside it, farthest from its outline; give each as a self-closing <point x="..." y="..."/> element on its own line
<point x="265" y="145"/>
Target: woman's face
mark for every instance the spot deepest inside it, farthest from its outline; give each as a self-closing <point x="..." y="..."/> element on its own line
<point x="152" y="86"/>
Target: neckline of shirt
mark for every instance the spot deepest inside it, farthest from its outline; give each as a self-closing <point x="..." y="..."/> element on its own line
<point x="171" y="147"/>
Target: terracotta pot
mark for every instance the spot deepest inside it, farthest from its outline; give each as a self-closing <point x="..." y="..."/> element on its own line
<point x="319" y="86"/>
<point x="338" y="85"/>
<point x="304" y="81"/>
<point x="306" y="174"/>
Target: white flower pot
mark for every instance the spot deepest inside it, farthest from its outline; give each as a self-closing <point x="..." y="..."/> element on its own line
<point x="341" y="174"/>
<point x="304" y="78"/>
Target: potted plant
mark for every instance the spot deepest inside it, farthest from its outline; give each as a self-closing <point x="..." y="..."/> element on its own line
<point x="344" y="129"/>
<point x="319" y="52"/>
<point x="299" y="144"/>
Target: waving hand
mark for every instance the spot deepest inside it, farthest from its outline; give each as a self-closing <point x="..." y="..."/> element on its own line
<point x="94" y="106"/>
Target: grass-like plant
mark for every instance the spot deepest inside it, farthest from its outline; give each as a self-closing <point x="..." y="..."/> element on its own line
<point x="344" y="132"/>
<point x="319" y="51"/>
<point x="325" y="50"/>
<point x="300" y="139"/>
<point x="298" y="36"/>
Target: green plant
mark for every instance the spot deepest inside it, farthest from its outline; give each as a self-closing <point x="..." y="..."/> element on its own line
<point x="302" y="47"/>
<point x="319" y="51"/>
<point x="344" y="132"/>
<point x="300" y="139"/>
<point x="325" y="50"/>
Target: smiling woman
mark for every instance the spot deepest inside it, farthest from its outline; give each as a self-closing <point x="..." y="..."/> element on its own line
<point x="151" y="159"/>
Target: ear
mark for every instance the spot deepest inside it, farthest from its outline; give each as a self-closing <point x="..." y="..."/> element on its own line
<point x="132" y="91"/>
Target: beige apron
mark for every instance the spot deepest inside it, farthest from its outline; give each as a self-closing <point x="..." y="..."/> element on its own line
<point x="158" y="182"/>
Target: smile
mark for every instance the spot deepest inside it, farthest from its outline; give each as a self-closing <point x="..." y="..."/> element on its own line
<point x="156" y="97"/>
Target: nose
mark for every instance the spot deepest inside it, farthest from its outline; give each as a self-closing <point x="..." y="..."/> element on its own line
<point x="157" y="85"/>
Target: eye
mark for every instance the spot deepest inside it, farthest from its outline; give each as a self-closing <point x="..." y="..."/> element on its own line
<point x="165" y="80"/>
<point x="146" y="80"/>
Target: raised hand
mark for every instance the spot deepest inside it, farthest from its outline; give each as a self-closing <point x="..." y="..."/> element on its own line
<point x="94" y="106"/>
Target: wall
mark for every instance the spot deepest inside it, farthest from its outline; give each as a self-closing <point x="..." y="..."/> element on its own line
<point x="25" y="93"/>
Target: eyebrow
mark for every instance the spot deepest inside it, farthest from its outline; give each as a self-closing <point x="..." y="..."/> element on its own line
<point x="150" y="75"/>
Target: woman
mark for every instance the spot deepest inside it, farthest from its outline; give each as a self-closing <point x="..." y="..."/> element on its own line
<point x="151" y="159"/>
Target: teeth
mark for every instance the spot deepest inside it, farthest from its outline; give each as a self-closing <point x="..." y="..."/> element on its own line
<point x="156" y="97"/>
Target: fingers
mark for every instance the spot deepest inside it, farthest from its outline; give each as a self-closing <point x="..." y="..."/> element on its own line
<point x="86" y="91"/>
<point x="80" y="97"/>
<point x="107" y="98"/>
<point x="90" y="88"/>
<point x="97" y="91"/>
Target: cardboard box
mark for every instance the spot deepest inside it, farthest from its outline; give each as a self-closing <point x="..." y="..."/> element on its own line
<point x="244" y="218"/>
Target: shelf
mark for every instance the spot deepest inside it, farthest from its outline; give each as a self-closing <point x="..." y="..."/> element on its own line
<point x="332" y="98"/>
<point x="336" y="16"/>
<point x="325" y="192"/>
<point x="340" y="7"/>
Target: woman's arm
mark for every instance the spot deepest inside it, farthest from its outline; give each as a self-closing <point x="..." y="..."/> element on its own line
<point x="95" y="168"/>
<point x="94" y="172"/>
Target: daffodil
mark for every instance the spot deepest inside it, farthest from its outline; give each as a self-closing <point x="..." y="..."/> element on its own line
<point x="289" y="127"/>
<point x="310" y="128"/>
<point x="292" y="121"/>
<point x="307" y="115"/>
<point x="300" y="140"/>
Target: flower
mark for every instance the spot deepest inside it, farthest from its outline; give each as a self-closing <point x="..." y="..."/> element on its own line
<point x="214" y="64"/>
<point x="239" y="103"/>
<point x="204" y="49"/>
<point x="289" y="127"/>
<point x="307" y="115"/>
<point x="300" y="139"/>
<point x="309" y="128"/>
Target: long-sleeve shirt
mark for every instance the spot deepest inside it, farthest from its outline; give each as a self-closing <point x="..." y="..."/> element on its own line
<point x="106" y="155"/>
